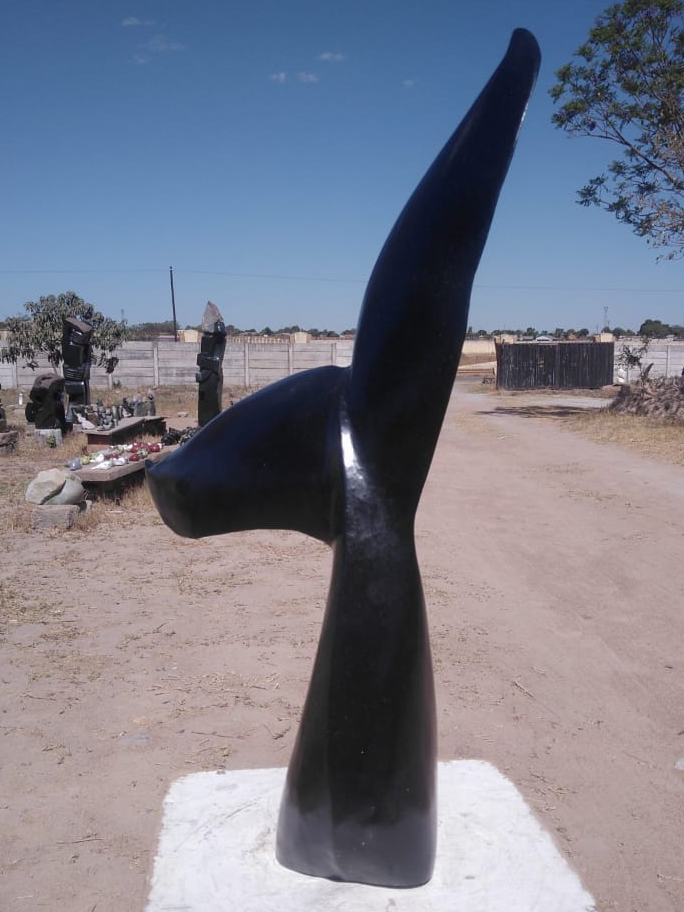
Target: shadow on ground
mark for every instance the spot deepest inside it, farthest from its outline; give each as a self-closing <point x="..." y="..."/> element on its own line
<point x="536" y="411"/>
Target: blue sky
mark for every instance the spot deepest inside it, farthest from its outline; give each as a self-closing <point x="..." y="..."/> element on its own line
<point x="264" y="150"/>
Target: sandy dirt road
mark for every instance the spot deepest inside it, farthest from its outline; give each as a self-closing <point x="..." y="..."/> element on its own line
<point x="553" y="574"/>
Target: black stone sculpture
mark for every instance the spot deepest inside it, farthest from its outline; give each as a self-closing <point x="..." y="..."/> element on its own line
<point x="45" y="408"/>
<point x="342" y="455"/>
<point x="76" y="351"/>
<point x="210" y="363"/>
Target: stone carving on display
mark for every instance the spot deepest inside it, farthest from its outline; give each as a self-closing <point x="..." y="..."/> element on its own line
<point x="342" y="454"/>
<point x="76" y="352"/>
<point x="46" y="406"/>
<point x="210" y="364"/>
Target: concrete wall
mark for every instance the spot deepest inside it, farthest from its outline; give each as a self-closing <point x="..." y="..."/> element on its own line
<point x="667" y="359"/>
<point x="168" y="363"/>
<point x="484" y="347"/>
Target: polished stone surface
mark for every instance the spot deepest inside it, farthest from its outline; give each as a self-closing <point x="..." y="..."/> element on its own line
<point x="342" y="455"/>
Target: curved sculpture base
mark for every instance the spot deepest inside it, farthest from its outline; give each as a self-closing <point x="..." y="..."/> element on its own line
<point x="359" y="799"/>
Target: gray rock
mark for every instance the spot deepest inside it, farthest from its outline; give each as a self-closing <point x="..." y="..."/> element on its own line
<point x="73" y="492"/>
<point x="45" y="485"/>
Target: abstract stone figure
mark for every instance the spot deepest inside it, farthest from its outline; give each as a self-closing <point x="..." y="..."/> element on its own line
<point x="210" y="363"/>
<point x="342" y="455"/>
<point x="76" y="352"/>
<point x="46" y="406"/>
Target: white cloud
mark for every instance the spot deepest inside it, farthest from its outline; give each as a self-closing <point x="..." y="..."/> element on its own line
<point x="409" y="83"/>
<point x="331" y="57"/>
<point x="133" y="20"/>
<point x="307" y="77"/>
<point x="140" y="59"/>
<point x="160" y="44"/>
<point x="278" y="77"/>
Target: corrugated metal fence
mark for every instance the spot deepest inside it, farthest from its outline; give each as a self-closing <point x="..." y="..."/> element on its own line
<point x="555" y="365"/>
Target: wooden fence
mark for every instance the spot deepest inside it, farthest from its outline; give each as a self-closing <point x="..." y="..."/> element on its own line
<point x="555" y="365"/>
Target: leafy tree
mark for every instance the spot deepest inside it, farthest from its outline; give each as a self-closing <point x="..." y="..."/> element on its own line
<point x="141" y="331"/>
<point x="41" y="331"/>
<point x="582" y="333"/>
<point x="654" y="329"/>
<point x="633" y="356"/>
<point x="288" y="330"/>
<point x="626" y="85"/>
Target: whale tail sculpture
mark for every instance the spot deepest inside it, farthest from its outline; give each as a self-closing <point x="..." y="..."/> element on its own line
<point x="342" y="455"/>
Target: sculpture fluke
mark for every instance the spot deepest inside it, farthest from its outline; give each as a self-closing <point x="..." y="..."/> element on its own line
<point x="343" y="455"/>
<point x="417" y="299"/>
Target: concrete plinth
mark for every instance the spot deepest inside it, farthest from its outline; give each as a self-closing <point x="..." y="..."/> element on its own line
<point x="56" y="516"/>
<point x="217" y="852"/>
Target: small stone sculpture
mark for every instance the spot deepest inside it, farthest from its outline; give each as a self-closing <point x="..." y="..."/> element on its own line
<point x="342" y="455"/>
<point x="46" y="406"/>
<point x="54" y="487"/>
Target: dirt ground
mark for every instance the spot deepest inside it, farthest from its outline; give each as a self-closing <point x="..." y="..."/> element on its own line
<point x="553" y="574"/>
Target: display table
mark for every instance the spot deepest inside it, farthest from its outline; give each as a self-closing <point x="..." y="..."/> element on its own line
<point x="102" y="481"/>
<point x="126" y="430"/>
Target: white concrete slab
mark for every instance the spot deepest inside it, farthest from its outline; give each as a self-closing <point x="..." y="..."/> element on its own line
<point x="216" y="852"/>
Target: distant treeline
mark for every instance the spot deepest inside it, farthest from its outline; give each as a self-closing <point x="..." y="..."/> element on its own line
<point x="651" y="329"/>
<point x="140" y="332"/>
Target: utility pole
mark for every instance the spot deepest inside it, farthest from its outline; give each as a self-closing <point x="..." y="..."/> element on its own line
<point x="173" y="306"/>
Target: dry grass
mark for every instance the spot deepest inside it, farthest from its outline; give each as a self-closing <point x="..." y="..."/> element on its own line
<point x="484" y="358"/>
<point x="656" y="438"/>
<point x="134" y="505"/>
<point x="169" y="400"/>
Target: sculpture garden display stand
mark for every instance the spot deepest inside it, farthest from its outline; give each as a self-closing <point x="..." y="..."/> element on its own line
<point x="342" y="455"/>
<point x="126" y="429"/>
<point x="216" y="852"/>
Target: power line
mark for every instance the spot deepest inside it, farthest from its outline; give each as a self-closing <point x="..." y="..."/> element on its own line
<point x="307" y="278"/>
